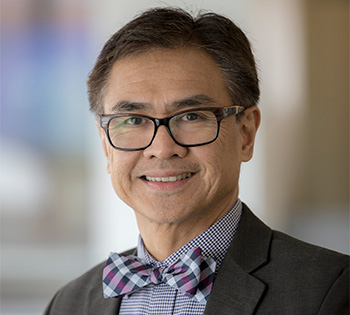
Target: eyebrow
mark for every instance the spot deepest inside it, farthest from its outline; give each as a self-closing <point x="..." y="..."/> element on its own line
<point x="127" y="106"/>
<point x="192" y="101"/>
<point x="195" y="100"/>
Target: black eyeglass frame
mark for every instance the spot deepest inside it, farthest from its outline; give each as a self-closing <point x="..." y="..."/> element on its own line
<point x="219" y="112"/>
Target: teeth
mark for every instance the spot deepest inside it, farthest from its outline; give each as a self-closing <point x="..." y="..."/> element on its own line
<point x="168" y="179"/>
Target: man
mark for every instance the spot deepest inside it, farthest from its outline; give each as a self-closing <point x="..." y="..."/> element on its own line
<point x="175" y="99"/>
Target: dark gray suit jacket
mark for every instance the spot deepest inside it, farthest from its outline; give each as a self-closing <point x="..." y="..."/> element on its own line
<point x="264" y="272"/>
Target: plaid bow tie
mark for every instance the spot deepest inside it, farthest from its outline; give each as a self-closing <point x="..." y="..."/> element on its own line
<point x="191" y="275"/>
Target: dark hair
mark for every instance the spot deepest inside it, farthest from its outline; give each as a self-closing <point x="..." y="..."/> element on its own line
<point x="174" y="28"/>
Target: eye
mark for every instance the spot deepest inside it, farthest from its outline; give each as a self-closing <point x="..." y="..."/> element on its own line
<point x="190" y="117"/>
<point x="194" y="118"/>
<point x="200" y="116"/>
<point x="127" y="122"/>
<point x="134" y="121"/>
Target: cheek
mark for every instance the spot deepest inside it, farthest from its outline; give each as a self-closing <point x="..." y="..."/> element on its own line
<point x="121" y="166"/>
<point x="230" y="142"/>
<point x="222" y="159"/>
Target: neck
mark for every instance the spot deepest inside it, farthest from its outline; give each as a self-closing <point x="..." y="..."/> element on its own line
<point x="163" y="239"/>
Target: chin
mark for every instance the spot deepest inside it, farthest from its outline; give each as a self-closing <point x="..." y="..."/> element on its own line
<point x="165" y="215"/>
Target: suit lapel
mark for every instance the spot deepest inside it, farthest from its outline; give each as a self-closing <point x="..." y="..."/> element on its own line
<point x="235" y="290"/>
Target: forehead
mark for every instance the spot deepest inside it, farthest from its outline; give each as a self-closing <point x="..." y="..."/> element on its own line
<point x="162" y="77"/>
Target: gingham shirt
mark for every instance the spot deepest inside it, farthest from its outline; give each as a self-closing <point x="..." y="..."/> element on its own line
<point x="162" y="299"/>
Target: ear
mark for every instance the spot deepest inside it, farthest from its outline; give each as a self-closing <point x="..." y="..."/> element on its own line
<point x="105" y="145"/>
<point x="249" y="126"/>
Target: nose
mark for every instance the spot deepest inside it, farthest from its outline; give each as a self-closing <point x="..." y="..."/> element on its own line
<point x="163" y="146"/>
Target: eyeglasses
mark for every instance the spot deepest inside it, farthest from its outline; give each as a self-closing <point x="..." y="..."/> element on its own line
<point x="188" y="128"/>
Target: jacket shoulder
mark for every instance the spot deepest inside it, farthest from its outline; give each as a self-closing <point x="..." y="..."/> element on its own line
<point x="289" y="248"/>
<point x="74" y="297"/>
<point x="88" y="281"/>
<point x="305" y="277"/>
<point x="299" y="278"/>
<point x="84" y="295"/>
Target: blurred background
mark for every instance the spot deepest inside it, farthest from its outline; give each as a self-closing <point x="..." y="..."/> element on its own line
<point x="59" y="214"/>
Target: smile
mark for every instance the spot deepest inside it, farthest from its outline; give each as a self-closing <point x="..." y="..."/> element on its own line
<point x="168" y="179"/>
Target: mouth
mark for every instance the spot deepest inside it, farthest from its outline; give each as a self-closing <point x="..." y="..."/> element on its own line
<point x="168" y="179"/>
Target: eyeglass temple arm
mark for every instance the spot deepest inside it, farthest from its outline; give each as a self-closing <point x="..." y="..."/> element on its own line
<point x="230" y="111"/>
<point x="101" y="121"/>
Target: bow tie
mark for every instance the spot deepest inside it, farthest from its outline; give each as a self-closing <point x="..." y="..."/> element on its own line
<point x="191" y="275"/>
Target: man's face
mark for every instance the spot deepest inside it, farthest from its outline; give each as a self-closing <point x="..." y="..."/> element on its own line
<point x="154" y="84"/>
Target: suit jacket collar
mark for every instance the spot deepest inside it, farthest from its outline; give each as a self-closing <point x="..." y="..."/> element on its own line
<point x="235" y="290"/>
